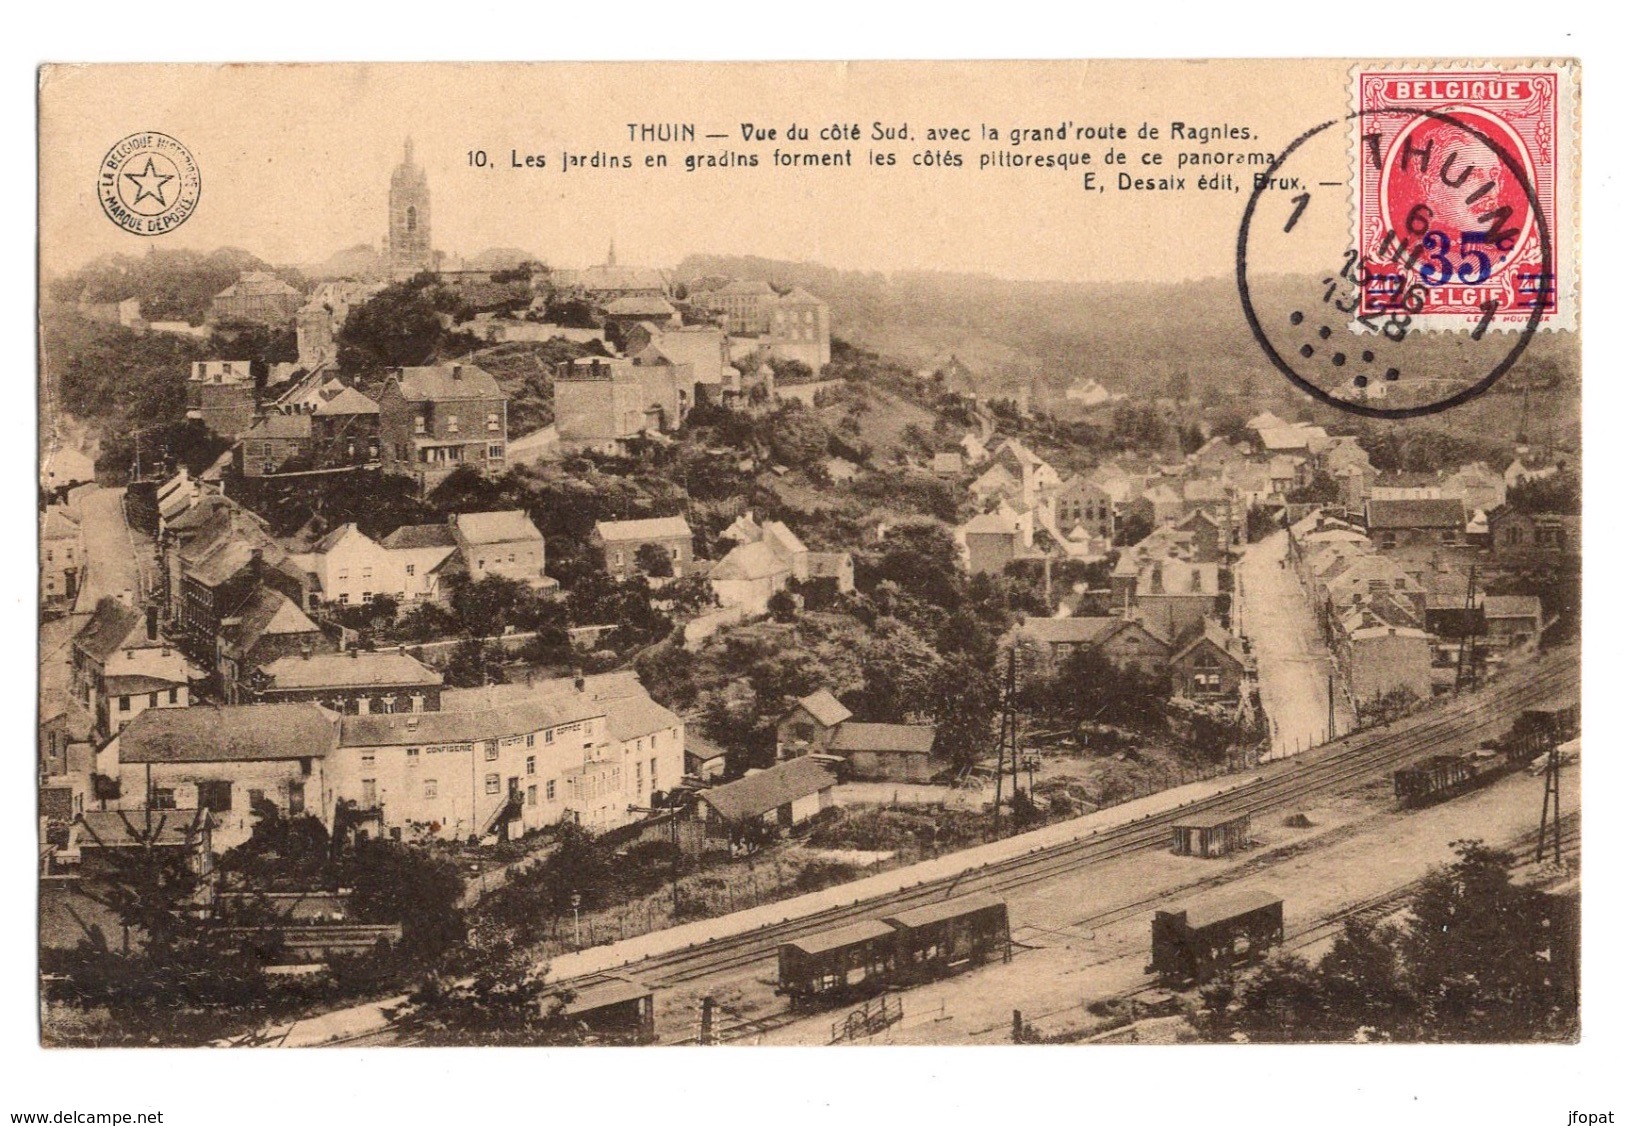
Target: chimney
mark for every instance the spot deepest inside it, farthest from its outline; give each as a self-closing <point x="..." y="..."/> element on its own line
<point x="581" y="681"/>
<point x="457" y="371"/>
<point x="152" y="623"/>
<point x="1156" y="578"/>
<point x="304" y="651"/>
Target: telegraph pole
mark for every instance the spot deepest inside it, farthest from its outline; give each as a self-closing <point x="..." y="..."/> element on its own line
<point x="1551" y="802"/>
<point x="1466" y="656"/>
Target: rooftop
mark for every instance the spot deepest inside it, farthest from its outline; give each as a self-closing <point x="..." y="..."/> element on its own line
<point x="825" y="708"/>
<point x="766" y="790"/>
<point x="443" y="382"/>
<point x="354" y="669"/>
<point x="1417" y="513"/>
<point x="897" y="738"/>
<point x="419" y="535"/>
<point x="228" y="734"/>
<point x="507" y="526"/>
<point x="656" y="528"/>
<point x="1069" y="631"/>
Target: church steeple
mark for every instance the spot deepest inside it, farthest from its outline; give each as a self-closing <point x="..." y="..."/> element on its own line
<point x="611" y="260"/>
<point x="410" y="248"/>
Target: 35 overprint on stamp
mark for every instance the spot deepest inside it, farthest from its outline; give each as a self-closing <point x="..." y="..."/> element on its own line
<point x="1464" y="192"/>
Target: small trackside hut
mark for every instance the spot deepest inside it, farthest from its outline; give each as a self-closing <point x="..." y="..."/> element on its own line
<point x="617" y="1011"/>
<point x="1212" y="834"/>
<point x="1196" y="944"/>
<point x="941" y="938"/>
<point x="849" y="960"/>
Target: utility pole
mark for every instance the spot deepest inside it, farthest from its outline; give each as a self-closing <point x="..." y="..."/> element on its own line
<point x="1466" y="656"/>
<point x="1331" y="709"/>
<point x="1004" y="735"/>
<point x="1551" y="802"/>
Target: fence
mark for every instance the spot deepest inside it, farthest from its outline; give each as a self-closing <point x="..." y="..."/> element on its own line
<point x="871" y="1017"/>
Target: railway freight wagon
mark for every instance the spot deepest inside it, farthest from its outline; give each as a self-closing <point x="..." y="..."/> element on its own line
<point x="941" y="938"/>
<point x="916" y="945"/>
<point x="1445" y="776"/>
<point x="856" y="958"/>
<point x="1195" y="944"/>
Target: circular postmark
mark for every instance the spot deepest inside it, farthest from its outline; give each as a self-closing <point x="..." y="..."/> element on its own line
<point x="148" y="184"/>
<point x="1423" y="297"/>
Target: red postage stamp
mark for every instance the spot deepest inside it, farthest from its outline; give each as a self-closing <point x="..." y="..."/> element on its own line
<point x="1464" y="195"/>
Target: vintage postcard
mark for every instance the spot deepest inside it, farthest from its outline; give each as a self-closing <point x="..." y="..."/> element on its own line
<point x="809" y="553"/>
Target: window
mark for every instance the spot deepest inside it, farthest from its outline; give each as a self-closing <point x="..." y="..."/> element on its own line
<point x="530" y="740"/>
<point x="412" y="756"/>
<point x="451" y="424"/>
<point x="344" y="574"/>
<point x="492" y="421"/>
<point x="152" y="699"/>
<point x="639" y="777"/>
<point x="163" y="799"/>
<point x="530" y="764"/>
<point x="386" y="704"/>
<point x="654" y="773"/>
<point x="344" y="599"/>
<point x="214" y="796"/>
<point x="366" y="596"/>
<point x="369" y="793"/>
<point x="431" y="788"/>
<point x="123" y="703"/>
<point x="493" y="783"/>
<point x="174" y="695"/>
<point x="548" y="736"/>
<point x="490" y="750"/>
<point x="411" y="569"/>
<point x="530" y="795"/>
<point x="418" y="425"/>
<point x="296" y="798"/>
<point x="368" y="758"/>
<point x="366" y="573"/>
<point x="255" y="798"/>
<point x="550" y="789"/>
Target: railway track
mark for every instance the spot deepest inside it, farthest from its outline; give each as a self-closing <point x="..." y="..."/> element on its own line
<point x="1345" y="763"/>
<point x="1356" y="759"/>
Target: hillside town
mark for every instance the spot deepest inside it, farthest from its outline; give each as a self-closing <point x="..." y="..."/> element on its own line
<point x="448" y="605"/>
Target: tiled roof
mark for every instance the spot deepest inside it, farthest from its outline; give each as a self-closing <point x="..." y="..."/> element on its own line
<point x="825" y="708"/>
<point x="898" y="738"/>
<point x="1214" y="633"/>
<point x="108" y="628"/>
<point x="420" y="535"/>
<point x="1511" y="606"/>
<point x="494" y="527"/>
<point x="284" y="426"/>
<point x="235" y="734"/>
<point x="437" y="383"/>
<point x="657" y="528"/>
<point x="1420" y="513"/>
<point x="354" y="669"/>
<point x="750" y="561"/>
<point x="348" y="401"/>
<point x="1070" y="631"/>
<point x="764" y="791"/>
<point x="264" y="612"/>
<point x="522" y="718"/>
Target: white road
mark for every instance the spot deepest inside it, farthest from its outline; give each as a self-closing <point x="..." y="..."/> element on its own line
<point x="1293" y="664"/>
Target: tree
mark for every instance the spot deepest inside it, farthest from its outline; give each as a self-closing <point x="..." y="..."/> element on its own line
<point x="399" y="883"/>
<point x="964" y="699"/>
<point x="782" y="606"/>
<point x="400" y="326"/>
<point x="473" y="663"/>
<point x="506" y="1003"/>
<point x="921" y="558"/>
<point x="653" y="560"/>
<point x="796" y="436"/>
<point x="182" y="977"/>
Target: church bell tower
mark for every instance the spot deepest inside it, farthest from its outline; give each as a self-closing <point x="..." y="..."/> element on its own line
<point x="410" y="248"/>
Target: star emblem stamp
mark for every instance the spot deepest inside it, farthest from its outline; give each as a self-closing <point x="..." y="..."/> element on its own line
<point x="149" y="184"/>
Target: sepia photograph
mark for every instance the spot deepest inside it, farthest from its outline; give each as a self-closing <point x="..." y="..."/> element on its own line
<point x="809" y="554"/>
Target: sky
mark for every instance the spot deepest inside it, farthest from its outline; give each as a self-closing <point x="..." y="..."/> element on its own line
<point x="295" y="160"/>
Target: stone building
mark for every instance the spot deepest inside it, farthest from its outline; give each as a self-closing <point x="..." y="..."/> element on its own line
<point x="410" y="247"/>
